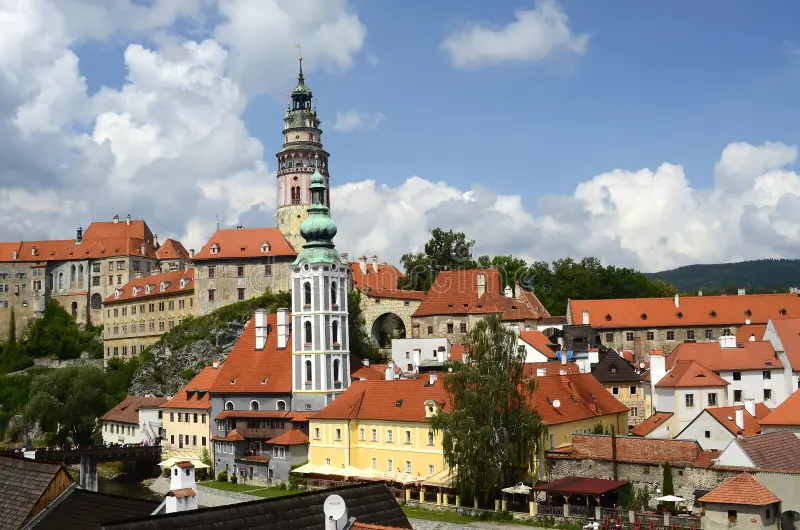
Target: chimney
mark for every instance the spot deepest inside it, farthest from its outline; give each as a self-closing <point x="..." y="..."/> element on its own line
<point x="752" y="337"/>
<point x="33" y="250"/>
<point x="155" y="240"/>
<point x="143" y="249"/>
<point x="261" y="328"/>
<point x="699" y="292"/>
<point x="344" y="256"/>
<point x="365" y="362"/>
<point x="564" y="356"/>
<point x="138" y="274"/>
<point x="481" y="284"/>
<point x="215" y="364"/>
<point x="362" y="261"/>
<point x="375" y="264"/>
<point x="432" y="378"/>
<point x="191" y="252"/>
<point x="79" y="235"/>
<point x="677" y="300"/>
<point x="740" y="292"/>
<point x="14" y="256"/>
<point x="541" y="372"/>
<point x="115" y="220"/>
<point x="390" y="371"/>
<point x="509" y="292"/>
<point x="740" y="418"/>
<point x="128" y="220"/>
<point x="283" y="327"/>
<point x="585" y="317"/>
<point x="750" y="406"/>
<point x="727" y="341"/>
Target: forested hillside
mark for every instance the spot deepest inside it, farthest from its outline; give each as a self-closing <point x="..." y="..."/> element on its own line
<point x="764" y="275"/>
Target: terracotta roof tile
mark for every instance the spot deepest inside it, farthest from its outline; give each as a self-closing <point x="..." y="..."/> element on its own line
<point x="633" y="449"/>
<point x="726" y="416"/>
<point x="453" y="291"/>
<point x="775" y="450"/>
<point x="137" y="229"/>
<point x="762" y="411"/>
<point x="250" y="371"/>
<point x="293" y="437"/>
<point x="551" y="368"/>
<point x="300" y="417"/>
<point x="539" y="342"/>
<point x="690" y="374"/>
<point x="184" y="464"/>
<point x="195" y="395"/>
<point x="747" y="356"/>
<point x="232" y="436"/>
<point x="64" y="250"/>
<point x="706" y="458"/>
<point x="457" y="352"/>
<point x="743" y="490"/>
<point x="788" y="331"/>
<point x="140" y="286"/>
<point x="369" y="373"/>
<point x="172" y="249"/>
<point x="127" y="411"/>
<point x="385" y="279"/>
<point x="246" y="243"/>
<point x="7" y="250"/>
<point x="744" y="333"/>
<point x="652" y="423"/>
<point x="787" y="413"/>
<point x="694" y="310"/>
<point x="181" y="493"/>
<point x="581" y="397"/>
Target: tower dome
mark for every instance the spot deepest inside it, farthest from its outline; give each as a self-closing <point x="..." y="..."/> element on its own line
<point x="318" y="229"/>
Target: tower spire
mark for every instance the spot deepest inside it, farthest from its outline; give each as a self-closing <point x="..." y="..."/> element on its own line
<point x="300" y="77"/>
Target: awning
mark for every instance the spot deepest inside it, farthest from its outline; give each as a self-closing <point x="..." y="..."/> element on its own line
<point x="305" y="468"/>
<point x="169" y="462"/>
<point x="369" y="474"/>
<point x="441" y="479"/>
<point x="581" y="486"/>
<point x="348" y="471"/>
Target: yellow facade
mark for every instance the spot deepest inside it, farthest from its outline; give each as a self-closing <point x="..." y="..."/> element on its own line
<point x="560" y="435"/>
<point x="406" y="447"/>
<point x="186" y="432"/>
<point x="634" y="396"/>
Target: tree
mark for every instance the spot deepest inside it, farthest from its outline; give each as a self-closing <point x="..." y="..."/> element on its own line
<point x="119" y="376"/>
<point x="67" y="402"/>
<point x="360" y="342"/>
<point x="12" y="328"/>
<point x="512" y="270"/>
<point x="667" y="487"/>
<point x="490" y="433"/>
<point x="598" y="428"/>
<point x="444" y="251"/>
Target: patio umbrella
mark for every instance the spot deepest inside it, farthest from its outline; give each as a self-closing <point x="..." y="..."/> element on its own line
<point x="670" y="498"/>
<point x="305" y="468"/>
<point x="369" y="474"/>
<point x="520" y="488"/>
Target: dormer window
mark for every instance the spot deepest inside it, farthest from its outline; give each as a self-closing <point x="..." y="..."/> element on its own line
<point x="264" y="247"/>
<point x="430" y="408"/>
<point x="747" y="313"/>
<point x="135" y="291"/>
<point x="147" y="288"/>
<point x="116" y="294"/>
<point x="783" y="311"/>
<point x="214" y="248"/>
<point x="163" y="285"/>
<point x="713" y="314"/>
<point x="184" y="281"/>
<point x="679" y="314"/>
<point x="608" y="318"/>
<point x="613" y="369"/>
<point x="643" y="316"/>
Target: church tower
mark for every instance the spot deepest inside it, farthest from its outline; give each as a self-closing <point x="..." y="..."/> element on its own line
<point x="320" y="284"/>
<point x="301" y="156"/>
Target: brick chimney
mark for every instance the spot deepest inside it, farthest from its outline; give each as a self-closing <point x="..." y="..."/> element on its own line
<point x="362" y="261"/>
<point x="375" y="264"/>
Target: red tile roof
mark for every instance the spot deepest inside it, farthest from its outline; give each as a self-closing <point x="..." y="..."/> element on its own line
<point x="386" y="277"/>
<point x="452" y="292"/>
<point x="232" y="436"/>
<point x="457" y="352"/>
<point x="690" y="374"/>
<point x="581" y="397"/>
<point x="756" y="330"/>
<point x="749" y="356"/>
<point x="195" y="395"/>
<point x="253" y="414"/>
<point x="140" y="286"/>
<point x="787" y="413"/>
<point x="172" y="249"/>
<point x="251" y="371"/>
<point x="551" y="368"/>
<point x="64" y="250"/>
<point x="369" y="373"/>
<point x="788" y="331"/>
<point x="652" y="423"/>
<point x="706" y="458"/>
<point x="138" y="229"/>
<point x="181" y="493"/>
<point x="378" y="400"/>
<point x="539" y="342"/>
<point x="127" y="410"/>
<point x="300" y="417"/>
<point x="293" y="437"/>
<point x="246" y="243"/>
<point x="693" y="310"/>
<point x="183" y="464"/>
<point x="774" y="450"/>
<point x="743" y="490"/>
<point x="7" y="250"/>
<point x="726" y="416"/>
<point x="581" y="486"/>
<point x="633" y="449"/>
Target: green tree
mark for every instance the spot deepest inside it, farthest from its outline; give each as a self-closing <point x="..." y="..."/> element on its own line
<point x="56" y="333"/>
<point x="598" y="428"/>
<point x="667" y="488"/>
<point x="512" y="270"/>
<point x="119" y="376"/>
<point x="12" y="328"/>
<point x="360" y="342"/>
<point x="66" y="403"/>
<point x="490" y="433"/>
<point x="444" y="251"/>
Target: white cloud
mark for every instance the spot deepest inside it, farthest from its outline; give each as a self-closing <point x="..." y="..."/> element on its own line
<point x="533" y="35"/>
<point x="353" y="119"/>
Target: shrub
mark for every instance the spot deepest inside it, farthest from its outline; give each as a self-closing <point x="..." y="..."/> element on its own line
<point x="222" y="476"/>
<point x="234" y="479"/>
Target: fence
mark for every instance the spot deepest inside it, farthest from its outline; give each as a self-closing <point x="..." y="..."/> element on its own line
<point x="552" y="511"/>
<point x="579" y="511"/>
<point x="612" y="513"/>
<point x="685" y="521"/>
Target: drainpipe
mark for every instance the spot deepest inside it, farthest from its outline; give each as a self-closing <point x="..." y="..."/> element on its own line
<point x="614" y="448"/>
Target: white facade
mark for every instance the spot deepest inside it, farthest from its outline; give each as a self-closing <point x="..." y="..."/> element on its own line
<point x="687" y="403"/>
<point x="150" y="424"/>
<point x="733" y="455"/>
<point x="147" y="430"/>
<point x="182" y="479"/>
<point x="409" y="354"/>
<point x="708" y="432"/>
<point x="532" y="355"/>
<point x="751" y="384"/>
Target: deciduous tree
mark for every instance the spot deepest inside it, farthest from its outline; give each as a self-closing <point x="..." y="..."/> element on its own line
<point x="444" y="251"/>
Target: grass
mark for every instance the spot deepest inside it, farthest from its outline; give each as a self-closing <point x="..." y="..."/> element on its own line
<point x="249" y="489"/>
<point x="444" y="517"/>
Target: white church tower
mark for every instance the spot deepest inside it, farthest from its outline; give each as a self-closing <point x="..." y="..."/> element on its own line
<point x="320" y="284"/>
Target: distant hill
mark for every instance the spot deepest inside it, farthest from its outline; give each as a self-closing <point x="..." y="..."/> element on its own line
<point x="763" y="275"/>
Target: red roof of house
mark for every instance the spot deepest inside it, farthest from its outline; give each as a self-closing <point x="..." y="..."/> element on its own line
<point x="746" y="356"/>
<point x="452" y="292"/>
<point x="581" y="397"/>
<point x="539" y="342"/>
<point x="64" y="250"/>
<point x="172" y="286"/>
<point x="787" y="413"/>
<point x="369" y="373"/>
<point x="707" y="457"/>
<point x="457" y="352"/>
<point x="384" y="279"/>
<point x="651" y="423"/>
<point x="127" y="410"/>
<point x="690" y="374"/>
<point x="183" y="464"/>
<point x="181" y="493"/>
<point x="195" y="395"/>
<point x="552" y="368"/>
<point x="7" y="250"/>
<point x="581" y="486"/>
<point x="633" y="449"/>
<point x="172" y="249"/>
<point x="694" y="311"/>
<point x="293" y="437"/>
<point x="742" y="489"/>
<point x="393" y="400"/>
<point x="232" y="436"/>
<point x="251" y="371"/>
<point x="788" y="331"/>
<point x="246" y="243"/>
<point x="756" y="330"/>
<point x="726" y="416"/>
<point x="137" y="229"/>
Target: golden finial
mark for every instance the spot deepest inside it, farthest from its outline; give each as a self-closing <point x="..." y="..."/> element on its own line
<point x="300" y="58"/>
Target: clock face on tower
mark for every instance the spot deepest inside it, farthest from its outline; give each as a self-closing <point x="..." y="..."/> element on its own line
<point x="296" y="136"/>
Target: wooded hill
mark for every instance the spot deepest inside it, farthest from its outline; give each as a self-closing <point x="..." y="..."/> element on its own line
<point x="757" y="276"/>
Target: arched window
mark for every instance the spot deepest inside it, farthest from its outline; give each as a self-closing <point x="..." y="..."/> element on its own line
<point x="335" y="331"/>
<point x="229" y="405"/>
<point x="333" y="293"/>
<point x="254" y="405"/>
<point x="80" y="273"/>
<point x="60" y="281"/>
<point x="72" y="274"/>
<point x="280" y="405"/>
<point x="307" y="293"/>
<point x="307" y="328"/>
<point x="96" y="301"/>
<point x="308" y="371"/>
<point x="336" y="369"/>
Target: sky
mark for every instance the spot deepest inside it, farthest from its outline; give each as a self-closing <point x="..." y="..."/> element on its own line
<point x="647" y="135"/>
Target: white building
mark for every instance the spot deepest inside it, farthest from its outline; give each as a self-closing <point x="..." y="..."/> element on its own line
<point x="784" y="418"/>
<point x="715" y="428"/>
<point x="182" y="494"/>
<point x="784" y="334"/>
<point x="685" y="390"/>
<point x="134" y="420"/>
<point x="538" y="348"/>
<point x="410" y="354"/>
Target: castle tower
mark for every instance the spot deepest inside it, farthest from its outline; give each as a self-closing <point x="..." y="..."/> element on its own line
<point x="320" y="283"/>
<point x="301" y="156"/>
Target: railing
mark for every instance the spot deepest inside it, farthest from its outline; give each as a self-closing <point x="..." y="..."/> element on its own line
<point x="326" y="484"/>
<point x="579" y="511"/>
<point x="552" y="511"/>
<point x="645" y="519"/>
<point x="684" y="521"/>
<point x="101" y="454"/>
<point x="610" y="513"/>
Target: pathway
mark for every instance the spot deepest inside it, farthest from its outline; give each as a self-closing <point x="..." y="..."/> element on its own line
<point x="206" y="497"/>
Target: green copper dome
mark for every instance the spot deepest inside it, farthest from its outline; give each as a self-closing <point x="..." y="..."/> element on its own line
<point x="318" y="229"/>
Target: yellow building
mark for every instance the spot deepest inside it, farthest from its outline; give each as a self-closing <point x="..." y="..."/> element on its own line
<point x="619" y="377"/>
<point x="381" y="427"/>
<point x="187" y="417"/>
<point x="142" y="310"/>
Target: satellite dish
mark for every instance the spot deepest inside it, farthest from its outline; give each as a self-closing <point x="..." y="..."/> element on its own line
<point x="556" y="403"/>
<point x="334" y="508"/>
<point x="747" y="321"/>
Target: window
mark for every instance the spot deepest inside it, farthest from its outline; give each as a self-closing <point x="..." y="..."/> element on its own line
<point x="463" y="327"/>
<point x="240" y="293"/>
<point x="408" y="438"/>
<point x="335" y="334"/>
<point x="254" y="405"/>
<point x="690" y="334"/>
<point x="633" y="390"/>
<point x="769" y="514"/>
<point x="552" y="441"/>
<point x="203" y="440"/>
<point x="670" y="334"/>
<point x="333" y="293"/>
<point x="361" y="435"/>
<point x="194" y="443"/>
<point x="449" y="327"/>
<point x="374" y="434"/>
<point x="327" y="461"/>
<point x="408" y="466"/>
<point x="307" y="334"/>
<point x="212" y="273"/>
<point x="336" y="371"/>
<point x="374" y="463"/>
<point x="195" y="417"/>
<point x="229" y="405"/>
<point x="430" y="330"/>
<point x="634" y="411"/>
<point x="767" y="394"/>
<point x="609" y="337"/>
<point x="737" y="376"/>
<point x="726" y="331"/>
<point x="161" y="306"/>
<point x="110" y="280"/>
<point x="279" y="452"/>
<point x="389" y="436"/>
<point x="240" y="271"/>
<point x="766" y="374"/>
<point x="690" y="400"/>
<point x="712" y="400"/>
<point x="389" y="466"/>
<point x="119" y="280"/>
<point x="171" y="305"/>
<point x="203" y="419"/>
<point x="171" y="416"/>
<point x="308" y="371"/>
<point x="737" y="395"/>
<point x="710" y="334"/>
<point x="120" y="265"/>
<point x="338" y="437"/>
<point x="133" y="310"/>
<point x="281" y="405"/>
<point x="160" y="326"/>
<point x="180" y="417"/>
<point x="708" y="434"/>
<point x="211" y="295"/>
<point x="268" y="270"/>
<point x="307" y="294"/>
<point x="615" y="390"/>
<point x="430" y="437"/>
<point x="629" y="336"/>
<point x="651" y="335"/>
<point x="316" y="433"/>
<point x="731" y="516"/>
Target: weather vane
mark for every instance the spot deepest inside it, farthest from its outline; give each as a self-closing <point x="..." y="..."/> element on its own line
<point x="299" y="51"/>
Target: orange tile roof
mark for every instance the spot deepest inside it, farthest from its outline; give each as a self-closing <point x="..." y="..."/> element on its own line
<point x="457" y="352"/>
<point x="552" y="368"/>
<point x="369" y="373"/>
<point x="788" y="331"/>
<point x="378" y="400"/>
<point x="652" y="423"/>
<point x="138" y="229"/>
<point x="385" y="279"/>
<point x="183" y="464"/>
<point x="726" y="416"/>
<point x="249" y="371"/>
<point x="581" y="397"/>
<point x="181" y="493"/>
<point x="195" y="395"/>
<point x="293" y="437"/>
<point x="299" y="417"/>
<point x="539" y="341"/>
<point x="64" y="250"/>
<point x="750" y="356"/>
<point x="707" y="457"/>
<point x="691" y="311"/>
<point x="246" y="243"/>
<point x="7" y="250"/>
<point x="127" y="410"/>
<point x="743" y="490"/>
<point x="172" y="249"/>
<point x="452" y="292"/>
<point x="632" y="449"/>
<point x="139" y="285"/>
<point x="232" y="436"/>
<point x="762" y="411"/>
<point x="756" y="330"/>
<point x="690" y="374"/>
<point x="787" y="413"/>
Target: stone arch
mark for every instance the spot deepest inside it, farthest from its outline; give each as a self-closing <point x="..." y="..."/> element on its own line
<point x="789" y="519"/>
<point x="386" y="327"/>
<point x="551" y="332"/>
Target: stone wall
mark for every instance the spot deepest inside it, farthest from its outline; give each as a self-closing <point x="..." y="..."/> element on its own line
<point x="227" y="282"/>
<point x="373" y="308"/>
<point x="56" y="363"/>
<point x="289" y="218"/>
<point x="619" y="338"/>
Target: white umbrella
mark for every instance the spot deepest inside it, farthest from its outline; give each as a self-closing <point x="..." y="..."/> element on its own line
<point x="670" y="498"/>
<point x="519" y="488"/>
